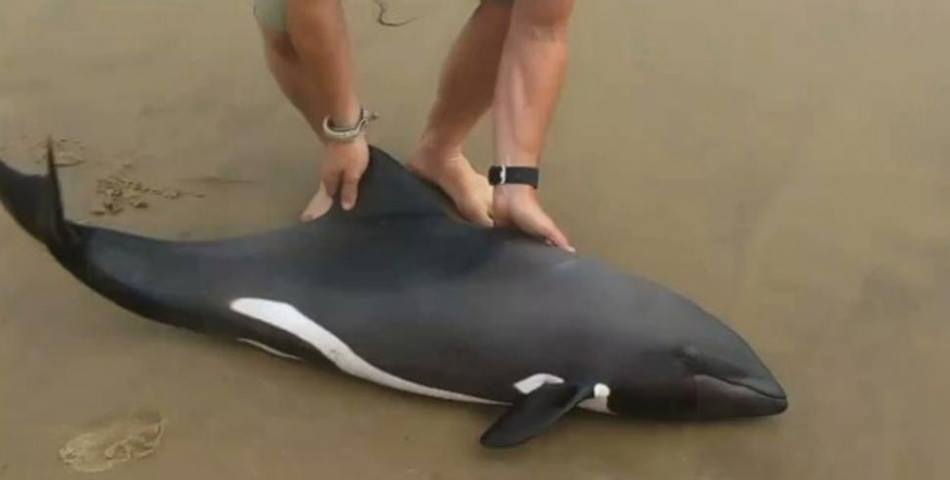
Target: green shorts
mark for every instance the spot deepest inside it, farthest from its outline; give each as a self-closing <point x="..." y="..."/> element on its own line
<point x="272" y="14"/>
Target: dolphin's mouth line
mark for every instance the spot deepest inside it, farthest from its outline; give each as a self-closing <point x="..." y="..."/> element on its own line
<point x="742" y="385"/>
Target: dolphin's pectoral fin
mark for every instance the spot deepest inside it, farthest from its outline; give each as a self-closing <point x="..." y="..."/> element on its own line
<point x="534" y="413"/>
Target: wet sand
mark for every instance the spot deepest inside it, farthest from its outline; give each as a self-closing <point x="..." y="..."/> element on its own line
<point x="787" y="164"/>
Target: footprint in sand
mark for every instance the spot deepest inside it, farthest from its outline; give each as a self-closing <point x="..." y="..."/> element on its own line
<point x="114" y="441"/>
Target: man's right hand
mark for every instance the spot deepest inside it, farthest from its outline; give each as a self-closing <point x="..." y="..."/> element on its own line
<point x="345" y="165"/>
<point x="340" y="174"/>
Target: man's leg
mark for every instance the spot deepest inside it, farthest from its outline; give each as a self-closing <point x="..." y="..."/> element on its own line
<point x="465" y="92"/>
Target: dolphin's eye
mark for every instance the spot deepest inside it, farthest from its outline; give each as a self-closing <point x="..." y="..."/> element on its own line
<point x="690" y="352"/>
<point x="689" y="355"/>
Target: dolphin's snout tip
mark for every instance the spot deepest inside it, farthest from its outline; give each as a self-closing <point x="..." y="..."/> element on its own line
<point x="781" y="404"/>
<point x="718" y="398"/>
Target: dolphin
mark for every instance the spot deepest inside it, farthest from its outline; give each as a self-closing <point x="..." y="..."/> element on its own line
<point x="399" y="292"/>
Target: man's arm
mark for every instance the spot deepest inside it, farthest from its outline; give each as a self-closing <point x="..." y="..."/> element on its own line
<point x="529" y="83"/>
<point x="318" y="31"/>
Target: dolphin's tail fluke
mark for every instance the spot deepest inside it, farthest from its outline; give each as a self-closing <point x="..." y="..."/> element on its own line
<point x="35" y="202"/>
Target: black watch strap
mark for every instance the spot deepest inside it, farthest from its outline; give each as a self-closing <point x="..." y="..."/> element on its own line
<point x="502" y="175"/>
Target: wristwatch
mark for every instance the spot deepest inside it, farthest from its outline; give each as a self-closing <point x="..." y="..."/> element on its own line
<point x="502" y="175"/>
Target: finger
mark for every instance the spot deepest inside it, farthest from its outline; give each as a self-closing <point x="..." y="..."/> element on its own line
<point x="482" y="219"/>
<point x="331" y="182"/>
<point x="319" y="205"/>
<point x="545" y="228"/>
<point x="349" y="191"/>
<point x="477" y="214"/>
<point x="558" y="239"/>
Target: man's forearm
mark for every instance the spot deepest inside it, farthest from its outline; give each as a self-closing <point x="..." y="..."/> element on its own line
<point x="529" y="82"/>
<point x="318" y="31"/>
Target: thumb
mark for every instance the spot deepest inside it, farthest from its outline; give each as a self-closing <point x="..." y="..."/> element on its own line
<point x="319" y="205"/>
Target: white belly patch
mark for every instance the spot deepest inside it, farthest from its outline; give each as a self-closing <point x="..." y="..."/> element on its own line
<point x="289" y="319"/>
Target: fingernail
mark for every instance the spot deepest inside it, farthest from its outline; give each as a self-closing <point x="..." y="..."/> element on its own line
<point x="347" y="205"/>
<point x="571" y="249"/>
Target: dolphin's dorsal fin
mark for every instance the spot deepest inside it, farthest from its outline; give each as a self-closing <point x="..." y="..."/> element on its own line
<point x="388" y="188"/>
<point x="534" y="413"/>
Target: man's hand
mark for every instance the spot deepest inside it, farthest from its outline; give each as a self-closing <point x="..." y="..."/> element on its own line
<point x="341" y="173"/>
<point x="518" y="206"/>
<point x="345" y="165"/>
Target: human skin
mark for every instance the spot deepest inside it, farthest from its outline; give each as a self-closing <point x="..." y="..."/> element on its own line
<point x="510" y="58"/>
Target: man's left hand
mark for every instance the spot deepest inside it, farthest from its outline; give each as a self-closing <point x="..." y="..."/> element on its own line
<point x="518" y="206"/>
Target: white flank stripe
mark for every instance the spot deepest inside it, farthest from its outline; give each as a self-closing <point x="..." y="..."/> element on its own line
<point x="290" y="320"/>
<point x="534" y="382"/>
